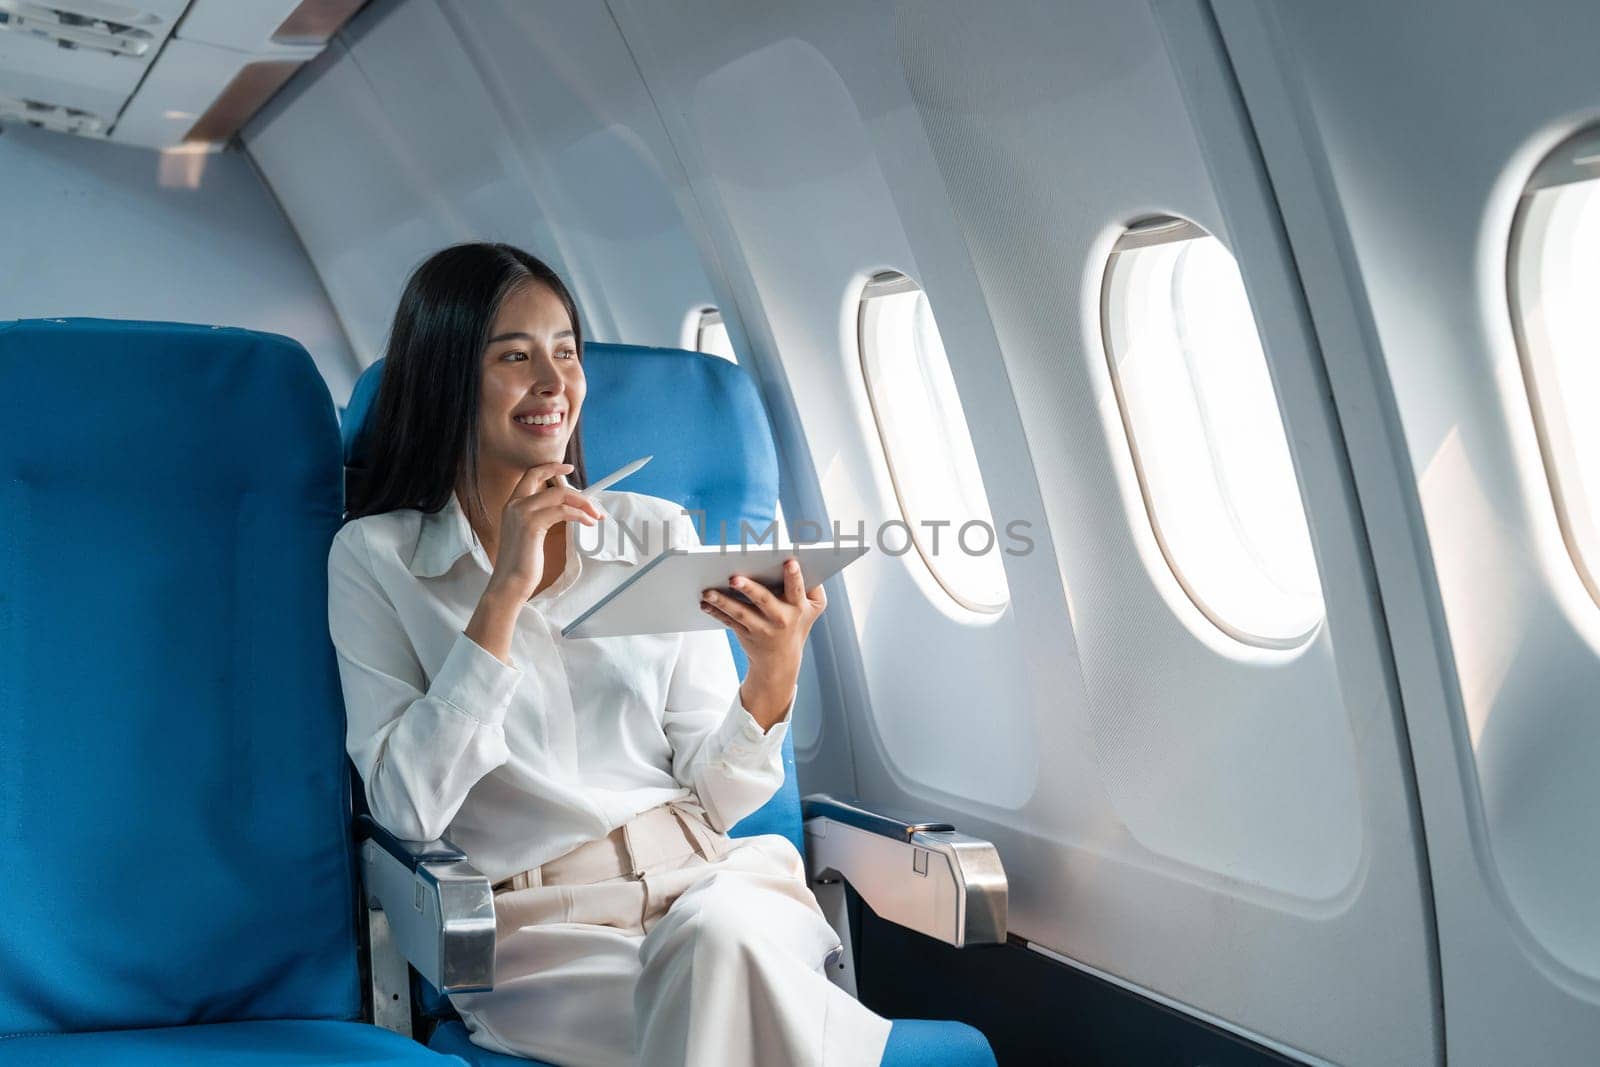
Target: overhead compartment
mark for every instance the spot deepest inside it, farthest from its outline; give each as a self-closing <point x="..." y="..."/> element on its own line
<point x="160" y="74"/>
<point x="70" y="65"/>
<point x="227" y="59"/>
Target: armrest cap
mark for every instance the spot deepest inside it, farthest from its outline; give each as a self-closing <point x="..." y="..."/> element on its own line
<point x="884" y="819"/>
<point x="410" y="853"/>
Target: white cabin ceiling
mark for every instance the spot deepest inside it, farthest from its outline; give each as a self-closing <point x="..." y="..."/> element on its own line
<point x="160" y="74"/>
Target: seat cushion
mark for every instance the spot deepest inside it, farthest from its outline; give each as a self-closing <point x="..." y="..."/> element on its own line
<point x="912" y="1043"/>
<point x="918" y="1042"/>
<point x="261" y="1043"/>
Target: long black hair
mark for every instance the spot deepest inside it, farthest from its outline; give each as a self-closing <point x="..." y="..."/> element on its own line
<point x="421" y="439"/>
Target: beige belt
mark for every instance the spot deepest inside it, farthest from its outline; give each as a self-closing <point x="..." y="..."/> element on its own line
<point x="664" y="832"/>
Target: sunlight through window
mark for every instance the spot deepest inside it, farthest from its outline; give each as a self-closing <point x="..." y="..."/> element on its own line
<point x="927" y="444"/>
<point x="711" y="336"/>
<point x="1554" y="279"/>
<point x="1208" y="441"/>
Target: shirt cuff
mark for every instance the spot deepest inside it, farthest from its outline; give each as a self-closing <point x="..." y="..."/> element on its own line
<point x="743" y="740"/>
<point x="476" y="682"/>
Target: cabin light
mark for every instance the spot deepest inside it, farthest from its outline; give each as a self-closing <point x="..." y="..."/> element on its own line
<point x="171" y="114"/>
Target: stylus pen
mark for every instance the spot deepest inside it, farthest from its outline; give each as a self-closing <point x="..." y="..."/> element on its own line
<point x="609" y="480"/>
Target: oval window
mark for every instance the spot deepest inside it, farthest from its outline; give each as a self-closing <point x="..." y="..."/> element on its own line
<point x="1208" y="443"/>
<point x="927" y="444"/>
<point x="1554" y="280"/>
<point x="711" y="336"/>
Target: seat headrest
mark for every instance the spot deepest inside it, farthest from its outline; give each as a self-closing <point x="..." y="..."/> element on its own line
<point x="701" y="417"/>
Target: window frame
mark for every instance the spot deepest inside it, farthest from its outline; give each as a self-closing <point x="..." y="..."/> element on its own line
<point x="706" y="316"/>
<point x="1150" y="232"/>
<point x="1571" y="161"/>
<point x="892" y="283"/>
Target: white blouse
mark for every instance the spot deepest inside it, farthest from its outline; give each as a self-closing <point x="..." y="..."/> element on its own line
<point x="521" y="764"/>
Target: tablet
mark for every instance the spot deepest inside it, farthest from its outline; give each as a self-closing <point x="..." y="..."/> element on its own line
<point x="663" y="595"/>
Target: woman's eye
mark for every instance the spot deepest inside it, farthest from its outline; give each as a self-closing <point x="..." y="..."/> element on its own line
<point x="508" y="355"/>
<point x="570" y="353"/>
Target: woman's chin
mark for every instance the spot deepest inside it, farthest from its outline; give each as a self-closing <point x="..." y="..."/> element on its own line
<point x="544" y="452"/>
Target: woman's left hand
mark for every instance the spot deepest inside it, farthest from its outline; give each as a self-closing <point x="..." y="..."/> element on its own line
<point x="772" y="630"/>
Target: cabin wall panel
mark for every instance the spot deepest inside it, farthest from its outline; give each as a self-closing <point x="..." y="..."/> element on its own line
<point x="1411" y="129"/>
<point x="111" y="231"/>
<point x="783" y="149"/>
<point x="1191" y="816"/>
<point x="425" y="125"/>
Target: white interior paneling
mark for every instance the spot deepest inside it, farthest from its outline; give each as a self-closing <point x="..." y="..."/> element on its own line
<point x="35" y="67"/>
<point x="1411" y="131"/>
<point x="795" y="172"/>
<point x="425" y="126"/>
<point x="242" y="25"/>
<point x="1203" y="818"/>
<point x="119" y="232"/>
<point x="181" y="86"/>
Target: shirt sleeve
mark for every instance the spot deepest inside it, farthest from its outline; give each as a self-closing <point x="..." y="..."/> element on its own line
<point x="419" y="747"/>
<point x="718" y="747"/>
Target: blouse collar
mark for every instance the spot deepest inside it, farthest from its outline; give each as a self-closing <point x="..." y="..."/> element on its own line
<point x="447" y="535"/>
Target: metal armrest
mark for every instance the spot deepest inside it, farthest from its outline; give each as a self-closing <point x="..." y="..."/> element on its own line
<point x="440" y="909"/>
<point x="917" y="873"/>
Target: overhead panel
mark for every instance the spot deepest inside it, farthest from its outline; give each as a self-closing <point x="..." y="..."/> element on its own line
<point x="225" y="61"/>
<point x="206" y="89"/>
<point x="70" y="65"/>
<point x="160" y="74"/>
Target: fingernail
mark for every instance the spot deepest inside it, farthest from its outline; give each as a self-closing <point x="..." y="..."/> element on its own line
<point x="711" y="597"/>
<point x="736" y="581"/>
<point x="792" y="566"/>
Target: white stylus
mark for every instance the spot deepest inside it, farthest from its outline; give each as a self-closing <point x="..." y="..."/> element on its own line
<point x="611" y="479"/>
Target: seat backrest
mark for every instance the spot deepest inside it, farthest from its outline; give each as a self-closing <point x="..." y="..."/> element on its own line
<point x="173" y="799"/>
<point x="702" y="419"/>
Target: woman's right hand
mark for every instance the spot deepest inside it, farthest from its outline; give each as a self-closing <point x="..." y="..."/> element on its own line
<point x="533" y="508"/>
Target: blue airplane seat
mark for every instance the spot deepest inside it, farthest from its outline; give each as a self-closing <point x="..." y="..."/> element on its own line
<point x="734" y="480"/>
<point x="731" y="471"/>
<point x="173" y="793"/>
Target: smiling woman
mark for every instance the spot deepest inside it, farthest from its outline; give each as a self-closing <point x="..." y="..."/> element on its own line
<point x="594" y="781"/>
<point x="467" y="323"/>
<point x="531" y="395"/>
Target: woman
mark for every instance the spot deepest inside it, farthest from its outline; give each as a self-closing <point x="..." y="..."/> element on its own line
<point x="593" y="781"/>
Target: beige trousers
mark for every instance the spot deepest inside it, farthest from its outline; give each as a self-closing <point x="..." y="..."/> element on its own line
<point x="668" y="943"/>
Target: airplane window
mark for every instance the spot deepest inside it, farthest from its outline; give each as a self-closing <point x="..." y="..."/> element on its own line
<point x="711" y="336"/>
<point x="1208" y="443"/>
<point x="927" y="444"/>
<point x="1554" y="280"/>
